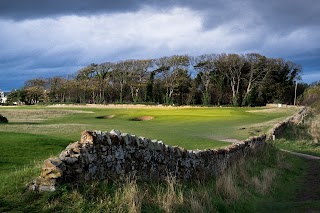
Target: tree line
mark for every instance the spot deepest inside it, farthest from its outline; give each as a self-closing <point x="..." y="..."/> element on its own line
<point x="212" y="79"/>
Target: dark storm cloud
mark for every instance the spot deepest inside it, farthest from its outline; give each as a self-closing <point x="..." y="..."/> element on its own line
<point x="17" y="9"/>
<point x="281" y="14"/>
<point x="217" y="11"/>
<point x="31" y="9"/>
<point x="42" y="38"/>
<point x="285" y="15"/>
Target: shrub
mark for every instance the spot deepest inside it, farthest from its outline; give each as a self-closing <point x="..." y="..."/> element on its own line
<point x="311" y="97"/>
<point x="3" y="119"/>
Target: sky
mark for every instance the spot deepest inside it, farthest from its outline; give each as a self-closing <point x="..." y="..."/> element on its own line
<point x="45" y="38"/>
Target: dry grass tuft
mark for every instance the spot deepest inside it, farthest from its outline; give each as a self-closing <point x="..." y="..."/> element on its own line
<point x="129" y="197"/>
<point x="200" y="201"/>
<point x="282" y="163"/>
<point x="226" y="185"/>
<point x="314" y="130"/>
<point x="171" y="198"/>
<point x="263" y="184"/>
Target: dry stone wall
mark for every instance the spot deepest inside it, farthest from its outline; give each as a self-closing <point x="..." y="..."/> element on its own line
<point x="112" y="155"/>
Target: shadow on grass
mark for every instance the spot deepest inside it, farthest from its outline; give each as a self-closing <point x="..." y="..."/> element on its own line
<point x="24" y="123"/>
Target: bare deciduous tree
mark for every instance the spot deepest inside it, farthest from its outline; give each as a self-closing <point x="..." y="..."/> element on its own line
<point x="231" y="66"/>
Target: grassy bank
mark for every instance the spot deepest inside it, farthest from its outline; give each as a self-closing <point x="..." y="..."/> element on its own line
<point x="303" y="138"/>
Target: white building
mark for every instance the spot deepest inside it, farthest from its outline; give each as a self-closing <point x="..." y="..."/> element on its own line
<point x="3" y="98"/>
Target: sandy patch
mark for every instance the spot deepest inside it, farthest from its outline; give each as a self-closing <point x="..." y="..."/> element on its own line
<point x="222" y="138"/>
<point x="276" y="109"/>
<point x="230" y="140"/>
<point x="143" y="118"/>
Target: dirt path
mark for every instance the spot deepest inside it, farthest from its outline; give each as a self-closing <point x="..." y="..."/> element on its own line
<point x="302" y="155"/>
<point x="307" y="198"/>
<point x="310" y="187"/>
<point x="309" y="191"/>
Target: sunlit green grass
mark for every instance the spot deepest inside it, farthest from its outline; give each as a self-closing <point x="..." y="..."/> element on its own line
<point x="35" y="132"/>
<point x="20" y="149"/>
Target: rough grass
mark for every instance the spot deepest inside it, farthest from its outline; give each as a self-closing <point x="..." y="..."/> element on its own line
<point x="314" y="129"/>
<point x="235" y="191"/>
<point x="226" y="186"/>
<point x="263" y="183"/>
<point x="303" y="138"/>
<point x="31" y="115"/>
<point x="171" y="197"/>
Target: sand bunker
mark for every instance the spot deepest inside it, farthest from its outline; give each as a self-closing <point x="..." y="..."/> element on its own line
<point x="106" y="116"/>
<point x="143" y="118"/>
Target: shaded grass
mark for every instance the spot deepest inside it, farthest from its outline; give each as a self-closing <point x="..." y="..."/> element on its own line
<point x="285" y="198"/>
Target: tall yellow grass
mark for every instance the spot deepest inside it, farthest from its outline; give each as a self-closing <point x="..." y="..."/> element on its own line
<point x="229" y="190"/>
<point x="314" y="129"/>
<point x="226" y="185"/>
<point x="129" y="197"/>
<point x="171" y="197"/>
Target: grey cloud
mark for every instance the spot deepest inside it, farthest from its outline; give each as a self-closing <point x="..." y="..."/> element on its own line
<point x="38" y="48"/>
<point x="217" y="11"/>
<point x="14" y="78"/>
<point x="284" y="15"/>
<point x="277" y="15"/>
<point x="16" y="9"/>
<point x="310" y="59"/>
